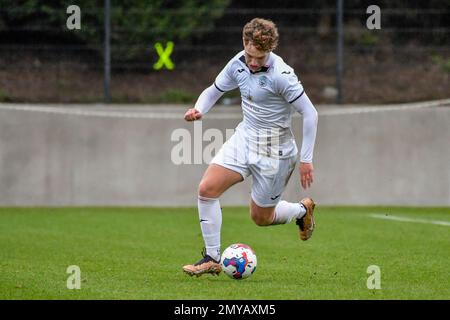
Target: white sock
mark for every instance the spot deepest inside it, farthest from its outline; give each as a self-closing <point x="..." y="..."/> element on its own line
<point x="210" y="215"/>
<point x="285" y="212"/>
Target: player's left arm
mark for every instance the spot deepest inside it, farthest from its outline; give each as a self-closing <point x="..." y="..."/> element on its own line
<point x="292" y="90"/>
<point x="310" y="119"/>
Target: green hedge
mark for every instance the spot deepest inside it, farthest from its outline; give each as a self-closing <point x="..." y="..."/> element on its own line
<point x="134" y="22"/>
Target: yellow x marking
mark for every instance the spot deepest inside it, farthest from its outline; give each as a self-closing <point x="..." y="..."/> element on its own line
<point x="164" y="56"/>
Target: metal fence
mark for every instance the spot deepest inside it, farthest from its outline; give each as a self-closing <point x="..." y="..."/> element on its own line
<point x="337" y="62"/>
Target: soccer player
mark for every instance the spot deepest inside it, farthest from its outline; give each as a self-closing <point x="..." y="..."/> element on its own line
<point x="263" y="144"/>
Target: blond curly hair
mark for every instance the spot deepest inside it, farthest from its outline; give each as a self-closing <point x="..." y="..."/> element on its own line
<point x="261" y="33"/>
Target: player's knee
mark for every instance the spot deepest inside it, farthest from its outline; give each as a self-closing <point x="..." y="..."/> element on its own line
<point x="261" y="220"/>
<point x="207" y="190"/>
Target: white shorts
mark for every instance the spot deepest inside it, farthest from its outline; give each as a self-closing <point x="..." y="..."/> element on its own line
<point x="270" y="175"/>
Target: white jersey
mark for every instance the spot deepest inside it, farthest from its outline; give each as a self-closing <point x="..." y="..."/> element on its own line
<point x="266" y="101"/>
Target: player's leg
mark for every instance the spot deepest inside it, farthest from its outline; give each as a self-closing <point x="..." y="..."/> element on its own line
<point x="216" y="180"/>
<point x="284" y="212"/>
<point x="266" y="208"/>
<point x="227" y="168"/>
<point x="262" y="216"/>
<point x="219" y="176"/>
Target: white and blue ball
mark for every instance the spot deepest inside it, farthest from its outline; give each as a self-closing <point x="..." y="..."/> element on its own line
<point x="238" y="261"/>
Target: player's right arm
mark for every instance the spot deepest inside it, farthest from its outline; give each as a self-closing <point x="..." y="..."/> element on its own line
<point x="205" y="101"/>
<point x="225" y="81"/>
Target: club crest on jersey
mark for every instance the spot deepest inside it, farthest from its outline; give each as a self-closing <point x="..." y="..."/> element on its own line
<point x="262" y="81"/>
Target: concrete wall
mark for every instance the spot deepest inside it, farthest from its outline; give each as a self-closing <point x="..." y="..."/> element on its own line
<point x="96" y="155"/>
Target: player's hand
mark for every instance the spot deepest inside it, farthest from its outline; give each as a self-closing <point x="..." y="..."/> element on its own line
<point x="192" y="115"/>
<point x="306" y="174"/>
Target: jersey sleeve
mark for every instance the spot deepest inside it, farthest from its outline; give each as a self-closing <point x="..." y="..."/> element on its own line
<point x="225" y="80"/>
<point x="207" y="99"/>
<point x="289" y="87"/>
<point x="305" y="107"/>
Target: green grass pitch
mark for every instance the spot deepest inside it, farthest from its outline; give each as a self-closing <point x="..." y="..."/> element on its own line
<point x="137" y="253"/>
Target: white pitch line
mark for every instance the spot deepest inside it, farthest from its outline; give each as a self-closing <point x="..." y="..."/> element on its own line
<point x="405" y="219"/>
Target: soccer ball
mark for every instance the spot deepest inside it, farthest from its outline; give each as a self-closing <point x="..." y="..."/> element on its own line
<point x="238" y="261"/>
